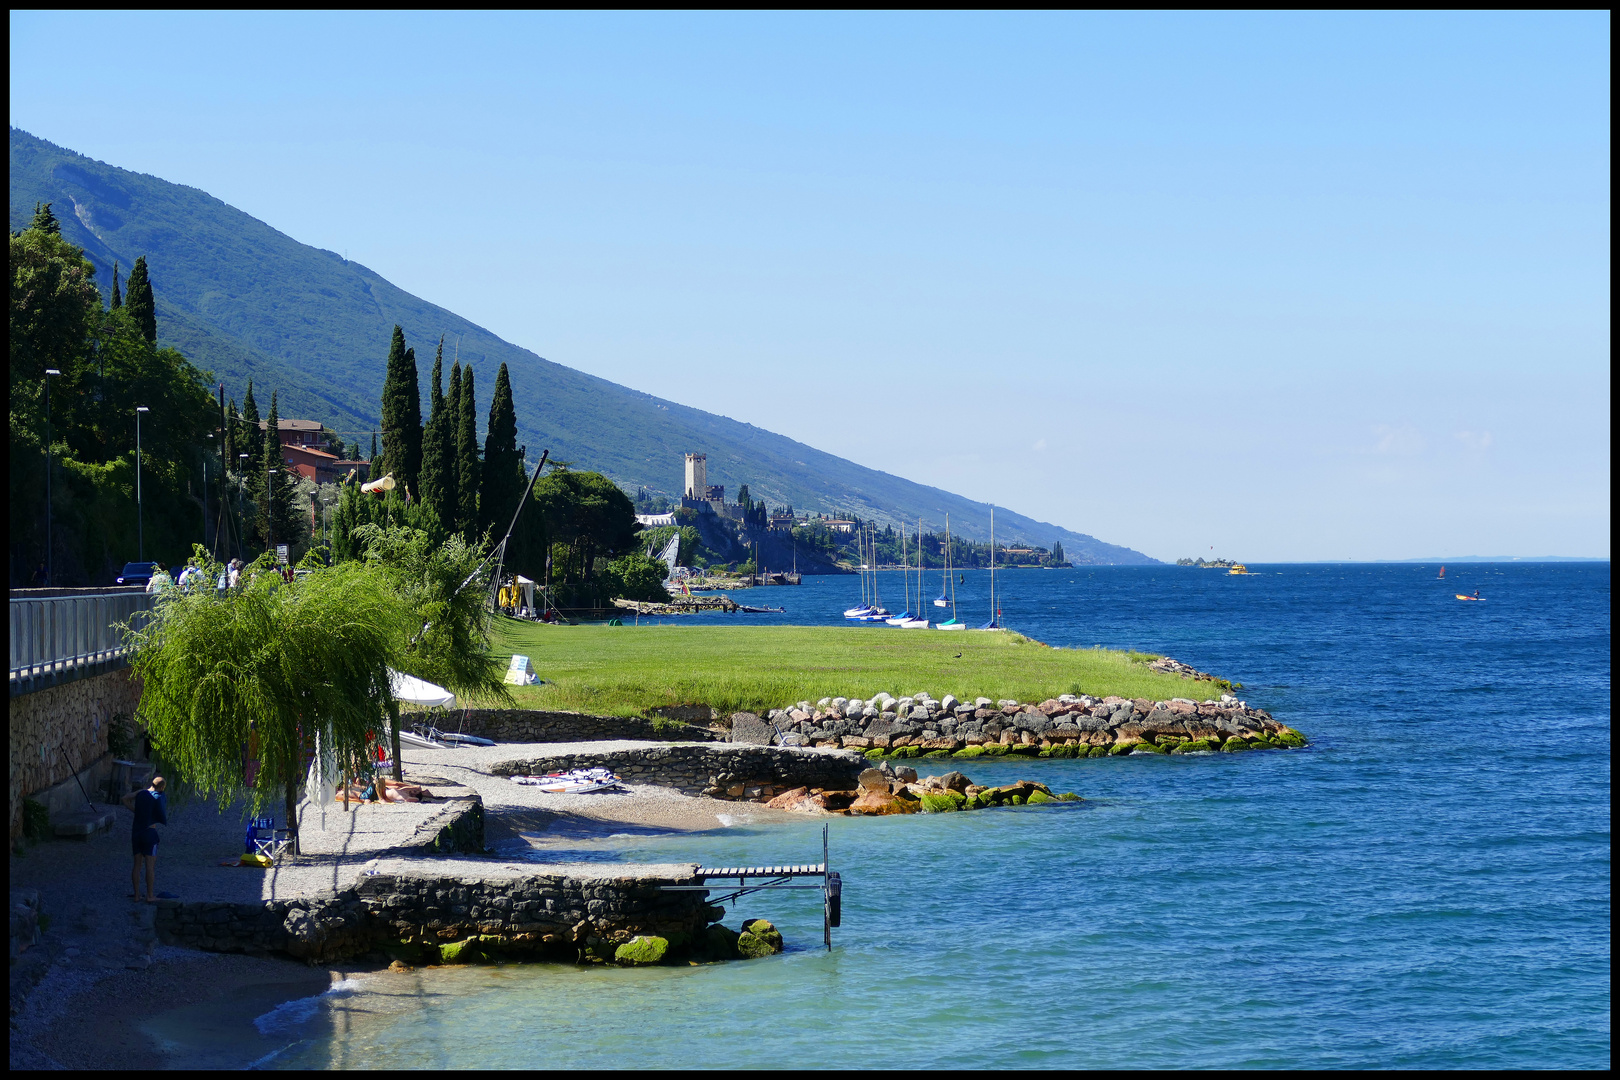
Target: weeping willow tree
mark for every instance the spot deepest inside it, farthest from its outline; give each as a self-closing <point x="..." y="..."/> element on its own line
<point x="290" y="661"/>
<point x="444" y="586"/>
<point x="286" y="661"/>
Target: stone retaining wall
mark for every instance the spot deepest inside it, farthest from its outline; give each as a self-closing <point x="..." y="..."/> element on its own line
<point x="61" y="729"/>
<point x="716" y="771"/>
<point x="457" y="828"/>
<point x="429" y="917"/>
<point x="1066" y="726"/>
<point x="540" y="726"/>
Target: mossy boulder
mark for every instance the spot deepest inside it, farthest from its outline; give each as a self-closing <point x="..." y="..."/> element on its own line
<point x="471" y="951"/>
<point x="1290" y="737"/>
<point x="1031" y="750"/>
<point x="942" y="802"/>
<point x="1233" y="745"/>
<point x="877" y="753"/>
<point x="641" y="950"/>
<point x="969" y="752"/>
<point x="1194" y="746"/>
<point x="1121" y="748"/>
<point x="758" y="938"/>
<point x="1038" y="797"/>
<point x="906" y="751"/>
<point x="1018" y="800"/>
<point x="1148" y="748"/>
<point x="1097" y="751"/>
<point x="993" y="749"/>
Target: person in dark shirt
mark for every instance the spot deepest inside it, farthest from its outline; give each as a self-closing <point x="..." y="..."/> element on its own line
<point x="151" y="809"/>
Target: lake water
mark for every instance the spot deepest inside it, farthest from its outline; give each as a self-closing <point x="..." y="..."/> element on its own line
<point x="1426" y="886"/>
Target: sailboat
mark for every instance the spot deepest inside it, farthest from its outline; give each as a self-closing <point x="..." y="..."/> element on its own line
<point x="918" y="622"/>
<point x="953" y="623"/>
<point x="875" y="611"/>
<point x="994" y="623"/>
<point x="863" y="608"/>
<point x="905" y="577"/>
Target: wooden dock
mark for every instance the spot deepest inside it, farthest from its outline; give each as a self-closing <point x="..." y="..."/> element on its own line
<point x="776" y="877"/>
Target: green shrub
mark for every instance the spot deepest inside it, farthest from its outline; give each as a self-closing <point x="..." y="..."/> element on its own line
<point x="36" y="820"/>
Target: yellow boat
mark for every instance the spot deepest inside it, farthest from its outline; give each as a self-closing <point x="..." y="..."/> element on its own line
<point x="1238" y="569"/>
<point x="1460" y="596"/>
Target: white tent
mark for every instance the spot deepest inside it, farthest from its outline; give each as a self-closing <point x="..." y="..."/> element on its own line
<point x="414" y="691"/>
<point x="526" y="587"/>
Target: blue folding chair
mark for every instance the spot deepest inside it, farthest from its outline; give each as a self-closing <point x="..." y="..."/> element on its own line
<point x="263" y="838"/>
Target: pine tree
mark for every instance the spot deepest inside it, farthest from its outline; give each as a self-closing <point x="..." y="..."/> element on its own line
<point x="117" y="297"/>
<point x="401" y="415"/>
<point x="139" y="303"/>
<point x="44" y="220"/>
<point x="467" y="464"/>
<point x="438" y="455"/>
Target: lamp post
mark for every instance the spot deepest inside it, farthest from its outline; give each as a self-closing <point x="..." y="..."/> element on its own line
<point x="140" y="517"/>
<point x="49" y="564"/>
<point x="241" y="518"/>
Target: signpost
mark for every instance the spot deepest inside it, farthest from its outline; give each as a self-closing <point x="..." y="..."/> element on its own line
<point x="281" y="554"/>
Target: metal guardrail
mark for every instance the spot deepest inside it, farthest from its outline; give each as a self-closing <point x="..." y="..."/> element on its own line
<point x="59" y="638"/>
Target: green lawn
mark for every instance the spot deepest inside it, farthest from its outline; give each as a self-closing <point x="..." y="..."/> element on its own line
<point x="625" y="670"/>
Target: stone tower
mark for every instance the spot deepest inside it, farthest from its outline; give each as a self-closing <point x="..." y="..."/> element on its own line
<point x="697" y="476"/>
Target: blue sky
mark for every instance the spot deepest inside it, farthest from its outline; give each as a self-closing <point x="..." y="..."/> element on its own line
<point x="1289" y="287"/>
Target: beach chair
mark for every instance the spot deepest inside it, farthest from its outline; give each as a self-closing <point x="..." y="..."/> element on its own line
<point x="263" y="838"/>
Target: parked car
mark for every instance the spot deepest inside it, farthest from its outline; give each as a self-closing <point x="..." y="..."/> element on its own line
<point x="136" y="573"/>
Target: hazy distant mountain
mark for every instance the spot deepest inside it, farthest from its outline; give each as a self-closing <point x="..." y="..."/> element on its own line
<point x="242" y="299"/>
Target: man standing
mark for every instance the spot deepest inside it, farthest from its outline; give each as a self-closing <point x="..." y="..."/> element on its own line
<point x="151" y="809"/>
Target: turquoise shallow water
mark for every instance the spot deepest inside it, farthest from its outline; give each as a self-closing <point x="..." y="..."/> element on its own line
<point x="1426" y="886"/>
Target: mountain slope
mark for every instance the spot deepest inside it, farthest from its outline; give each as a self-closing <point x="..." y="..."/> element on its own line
<point x="242" y="299"/>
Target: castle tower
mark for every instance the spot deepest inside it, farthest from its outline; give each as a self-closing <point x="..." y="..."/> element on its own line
<point x="697" y="476"/>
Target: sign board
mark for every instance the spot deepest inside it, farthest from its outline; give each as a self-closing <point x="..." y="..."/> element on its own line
<point x="281" y="554"/>
<point x="518" y="673"/>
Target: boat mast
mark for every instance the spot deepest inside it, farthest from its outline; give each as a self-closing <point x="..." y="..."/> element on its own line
<point x="948" y="566"/>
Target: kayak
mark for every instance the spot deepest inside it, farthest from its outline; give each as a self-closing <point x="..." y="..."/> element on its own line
<point x="1460" y="596"/>
<point x="572" y="782"/>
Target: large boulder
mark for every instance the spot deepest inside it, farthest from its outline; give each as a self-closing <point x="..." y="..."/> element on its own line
<point x="873" y="780"/>
<point x="639" y="951"/>
<point x="876" y="803"/>
<point x="758" y="938"/>
<point x="746" y="727"/>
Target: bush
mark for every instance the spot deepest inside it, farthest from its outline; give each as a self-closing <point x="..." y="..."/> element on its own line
<point x="36" y="820"/>
<point x="636" y="577"/>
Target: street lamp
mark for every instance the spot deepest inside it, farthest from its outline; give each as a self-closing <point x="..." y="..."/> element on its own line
<point x="140" y="519"/>
<point x="48" y="562"/>
<point x="241" y="518"/>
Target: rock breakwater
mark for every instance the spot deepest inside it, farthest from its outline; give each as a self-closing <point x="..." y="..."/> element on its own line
<point x="1070" y="725"/>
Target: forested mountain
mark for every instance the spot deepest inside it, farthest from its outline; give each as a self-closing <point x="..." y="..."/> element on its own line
<point x="241" y="299"/>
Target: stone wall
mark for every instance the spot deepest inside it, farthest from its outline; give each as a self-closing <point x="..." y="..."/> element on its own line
<point x="432" y="917"/>
<point x="539" y="726"/>
<point x="716" y="771"/>
<point x="457" y="828"/>
<point x="1066" y="726"/>
<point x="61" y="729"/>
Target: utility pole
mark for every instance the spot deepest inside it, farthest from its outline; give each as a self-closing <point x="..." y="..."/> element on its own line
<point x="140" y="516"/>
<point x="49" y="559"/>
<point x="241" y="521"/>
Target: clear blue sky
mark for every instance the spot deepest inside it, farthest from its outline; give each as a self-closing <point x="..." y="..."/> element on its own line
<point x="1289" y="287"/>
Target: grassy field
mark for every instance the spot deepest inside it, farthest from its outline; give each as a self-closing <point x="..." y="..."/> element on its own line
<point x="626" y="670"/>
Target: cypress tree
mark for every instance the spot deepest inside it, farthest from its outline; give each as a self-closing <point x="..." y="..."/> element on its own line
<point x="117" y="297"/>
<point x="372" y="459"/>
<point x="438" y="450"/>
<point x="452" y="440"/>
<point x="250" y="439"/>
<point x="401" y="415"/>
<point x="467" y="465"/>
<point x="232" y="422"/>
<point x="139" y="303"/>
<point x="277" y="520"/>
<point x="500" y="480"/>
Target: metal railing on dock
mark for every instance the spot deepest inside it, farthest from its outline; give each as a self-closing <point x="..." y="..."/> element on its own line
<point x="778" y="877"/>
<point x="58" y="638"/>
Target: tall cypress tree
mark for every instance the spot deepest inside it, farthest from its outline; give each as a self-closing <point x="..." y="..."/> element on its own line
<point x="401" y="415"/>
<point x="139" y="303"/>
<point x="467" y="465"/>
<point x="372" y="459"/>
<point x="232" y="423"/>
<point x="452" y="440"/>
<point x="277" y="522"/>
<point x="117" y="297"/>
<point x="438" y="450"/>
<point x="501" y="475"/>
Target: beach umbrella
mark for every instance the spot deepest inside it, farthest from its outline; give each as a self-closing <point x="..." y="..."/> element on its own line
<point x="414" y="691"/>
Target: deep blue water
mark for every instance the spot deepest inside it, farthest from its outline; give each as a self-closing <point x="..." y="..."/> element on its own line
<point x="1426" y="886"/>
